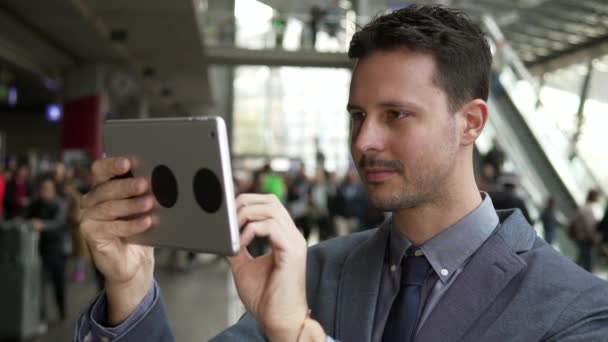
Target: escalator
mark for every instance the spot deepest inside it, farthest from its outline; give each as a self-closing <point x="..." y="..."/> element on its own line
<point x="538" y="152"/>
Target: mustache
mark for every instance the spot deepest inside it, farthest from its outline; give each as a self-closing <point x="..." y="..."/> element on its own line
<point x="373" y="161"/>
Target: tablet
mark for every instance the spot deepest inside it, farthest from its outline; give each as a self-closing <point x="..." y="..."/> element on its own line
<point x="188" y="163"/>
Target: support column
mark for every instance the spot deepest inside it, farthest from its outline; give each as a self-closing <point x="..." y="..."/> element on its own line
<point x="83" y="112"/>
<point x="580" y="114"/>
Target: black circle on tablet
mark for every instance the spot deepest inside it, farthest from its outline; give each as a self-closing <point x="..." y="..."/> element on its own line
<point x="164" y="186"/>
<point x="207" y="190"/>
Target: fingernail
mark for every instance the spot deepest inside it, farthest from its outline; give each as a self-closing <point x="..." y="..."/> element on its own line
<point x="121" y="164"/>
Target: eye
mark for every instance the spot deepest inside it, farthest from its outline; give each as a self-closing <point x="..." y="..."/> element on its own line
<point x="357" y="116"/>
<point x="398" y="114"/>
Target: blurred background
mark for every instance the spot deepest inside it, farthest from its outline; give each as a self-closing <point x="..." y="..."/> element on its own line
<point x="277" y="71"/>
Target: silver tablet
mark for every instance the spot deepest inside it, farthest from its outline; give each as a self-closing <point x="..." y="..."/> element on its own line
<point x="188" y="163"/>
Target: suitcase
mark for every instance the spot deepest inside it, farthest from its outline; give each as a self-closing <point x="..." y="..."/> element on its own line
<point x="21" y="281"/>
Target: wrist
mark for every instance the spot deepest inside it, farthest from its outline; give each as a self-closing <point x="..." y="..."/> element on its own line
<point x="124" y="298"/>
<point x="288" y="331"/>
<point x="311" y="331"/>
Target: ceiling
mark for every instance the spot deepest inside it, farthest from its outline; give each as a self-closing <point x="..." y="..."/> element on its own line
<point x="48" y="37"/>
<point x="52" y="36"/>
<point x="547" y="34"/>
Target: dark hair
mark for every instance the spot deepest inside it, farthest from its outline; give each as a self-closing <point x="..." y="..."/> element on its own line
<point x="46" y="177"/>
<point x="461" y="51"/>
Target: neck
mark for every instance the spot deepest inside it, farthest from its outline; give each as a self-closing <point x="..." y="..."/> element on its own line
<point x="422" y="223"/>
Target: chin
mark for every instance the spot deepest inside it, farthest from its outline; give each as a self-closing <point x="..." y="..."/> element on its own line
<point x="392" y="198"/>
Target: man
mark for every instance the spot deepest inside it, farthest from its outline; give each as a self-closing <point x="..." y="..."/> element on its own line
<point x="446" y="267"/>
<point x="584" y="230"/>
<point x="48" y="215"/>
<point x="506" y="196"/>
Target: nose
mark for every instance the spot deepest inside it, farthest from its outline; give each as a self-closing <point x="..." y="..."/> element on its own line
<point x="370" y="137"/>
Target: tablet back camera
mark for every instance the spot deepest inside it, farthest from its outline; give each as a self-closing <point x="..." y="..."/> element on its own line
<point x="207" y="190"/>
<point x="164" y="186"/>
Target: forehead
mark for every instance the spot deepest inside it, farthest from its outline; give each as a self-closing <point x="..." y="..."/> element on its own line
<point x="394" y="74"/>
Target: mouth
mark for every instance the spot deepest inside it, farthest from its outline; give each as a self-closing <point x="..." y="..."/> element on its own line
<point x="378" y="175"/>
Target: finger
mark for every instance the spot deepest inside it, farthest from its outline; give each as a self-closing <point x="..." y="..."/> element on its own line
<point x="250" y="199"/>
<point x="113" y="210"/>
<point x="254" y="212"/>
<point x="95" y="231"/>
<point x="266" y="228"/>
<point x="115" y="190"/>
<point x="104" y="169"/>
<point x="242" y="257"/>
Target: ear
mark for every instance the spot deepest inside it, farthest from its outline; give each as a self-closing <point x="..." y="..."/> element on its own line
<point x="475" y="116"/>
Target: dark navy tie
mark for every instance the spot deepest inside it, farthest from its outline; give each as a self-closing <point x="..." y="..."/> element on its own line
<point x="401" y="322"/>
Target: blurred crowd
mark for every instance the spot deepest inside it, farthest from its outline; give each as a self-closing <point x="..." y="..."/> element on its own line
<point x="46" y="199"/>
<point x="321" y="203"/>
<point x="587" y="229"/>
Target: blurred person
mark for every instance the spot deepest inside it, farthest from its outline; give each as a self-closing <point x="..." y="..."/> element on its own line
<point x="314" y="23"/>
<point x="446" y="267"/>
<point x="80" y="249"/>
<point x="583" y="230"/>
<point x="506" y="196"/>
<point x="279" y="25"/>
<point x="487" y="180"/>
<point x="549" y="220"/>
<point x="333" y="200"/>
<point x="318" y="206"/>
<point x="273" y="183"/>
<point x="496" y="157"/>
<point x="18" y="192"/>
<point x="59" y="177"/>
<point x="333" y="15"/>
<point x="602" y="228"/>
<point x="48" y="214"/>
<point x="297" y="200"/>
<point x="352" y="199"/>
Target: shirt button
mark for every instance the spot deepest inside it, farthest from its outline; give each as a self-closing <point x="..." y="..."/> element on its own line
<point x="444" y="272"/>
<point x="393" y="268"/>
<point x="105" y="339"/>
<point x="418" y="252"/>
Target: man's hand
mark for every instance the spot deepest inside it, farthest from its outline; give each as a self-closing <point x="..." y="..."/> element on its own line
<point x="37" y="225"/>
<point x="272" y="286"/>
<point x="113" y="211"/>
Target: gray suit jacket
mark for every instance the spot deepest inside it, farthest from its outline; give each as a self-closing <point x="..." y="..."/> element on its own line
<point x="515" y="288"/>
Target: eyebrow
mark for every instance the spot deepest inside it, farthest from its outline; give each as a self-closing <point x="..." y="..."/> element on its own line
<point x="385" y="104"/>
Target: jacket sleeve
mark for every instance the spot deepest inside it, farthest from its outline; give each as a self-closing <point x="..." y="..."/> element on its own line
<point x="148" y="322"/>
<point x="246" y="329"/>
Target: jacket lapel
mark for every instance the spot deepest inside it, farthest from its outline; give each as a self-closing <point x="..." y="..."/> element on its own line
<point x="359" y="286"/>
<point x="484" y="277"/>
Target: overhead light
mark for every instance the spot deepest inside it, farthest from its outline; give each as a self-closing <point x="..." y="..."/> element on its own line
<point x="54" y="112"/>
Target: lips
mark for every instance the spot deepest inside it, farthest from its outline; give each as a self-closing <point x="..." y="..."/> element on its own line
<point x="376" y="175"/>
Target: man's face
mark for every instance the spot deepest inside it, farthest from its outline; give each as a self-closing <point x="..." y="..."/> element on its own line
<point x="404" y="139"/>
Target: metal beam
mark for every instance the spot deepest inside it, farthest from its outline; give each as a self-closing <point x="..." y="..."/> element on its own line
<point x="238" y="56"/>
<point x="592" y="48"/>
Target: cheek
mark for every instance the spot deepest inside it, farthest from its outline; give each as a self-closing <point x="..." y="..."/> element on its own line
<point x="412" y="148"/>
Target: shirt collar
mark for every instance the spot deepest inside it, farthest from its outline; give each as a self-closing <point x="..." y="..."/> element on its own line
<point x="448" y="250"/>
